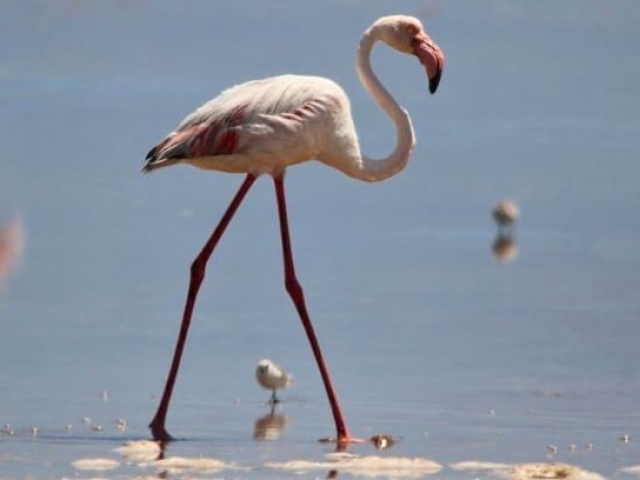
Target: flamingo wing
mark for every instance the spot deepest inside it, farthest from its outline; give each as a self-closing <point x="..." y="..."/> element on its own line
<point x="255" y="117"/>
<point x="216" y="135"/>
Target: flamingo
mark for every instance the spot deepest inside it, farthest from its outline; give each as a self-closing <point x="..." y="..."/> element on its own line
<point x="261" y="127"/>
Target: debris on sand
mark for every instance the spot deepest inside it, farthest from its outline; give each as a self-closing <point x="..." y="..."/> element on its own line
<point x="367" y="466"/>
<point x="99" y="464"/>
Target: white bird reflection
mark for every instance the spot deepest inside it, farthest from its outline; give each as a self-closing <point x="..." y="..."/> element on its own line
<point x="505" y="248"/>
<point x="270" y="426"/>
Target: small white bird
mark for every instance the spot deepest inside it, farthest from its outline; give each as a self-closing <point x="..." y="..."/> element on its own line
<point x="272" y="377"/>
<point x="506" y="213"/>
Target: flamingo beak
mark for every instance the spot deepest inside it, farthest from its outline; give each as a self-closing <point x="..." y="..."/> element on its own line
<point x="431" y="57"/>
<point x="435" y="81"/>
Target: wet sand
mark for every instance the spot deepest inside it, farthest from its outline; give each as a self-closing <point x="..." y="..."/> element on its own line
<point x="85" y="448"/>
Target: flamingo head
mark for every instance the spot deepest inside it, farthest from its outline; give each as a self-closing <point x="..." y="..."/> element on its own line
<point x="406" y="34"/>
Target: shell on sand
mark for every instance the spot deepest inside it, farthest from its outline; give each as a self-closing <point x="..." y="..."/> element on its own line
<point x="138" y="446"/>
<point x="633" y="470"/>
<point x="95" y="464"/>
<point x="181" y="464"/>
<point x="474" y="466"/>
<point x="139" y="451"/>
<point x="529" y="471"/>
<point x="367" y="466"/>
<point x="550" y="470"/>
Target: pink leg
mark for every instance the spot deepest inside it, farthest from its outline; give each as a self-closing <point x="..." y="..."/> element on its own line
<point x="297" y="295"/>
<point x="197" y="275"/>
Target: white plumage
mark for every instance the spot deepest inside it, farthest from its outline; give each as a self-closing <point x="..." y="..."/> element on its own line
<point x="272" y="377"/>
<point x="506" y="213"/>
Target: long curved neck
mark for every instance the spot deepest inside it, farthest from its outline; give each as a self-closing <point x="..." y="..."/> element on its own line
<point x="373" y="170"/>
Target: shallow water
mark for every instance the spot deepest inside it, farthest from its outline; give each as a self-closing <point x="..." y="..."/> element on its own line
<point x="429" y="338"/>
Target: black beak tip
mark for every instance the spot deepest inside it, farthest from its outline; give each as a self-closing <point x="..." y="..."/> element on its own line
<point x="434" y="82"/>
